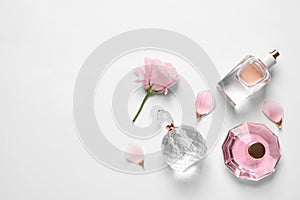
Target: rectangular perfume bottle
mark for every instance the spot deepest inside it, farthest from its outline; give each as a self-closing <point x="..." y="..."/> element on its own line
<point x="248" y="77"/>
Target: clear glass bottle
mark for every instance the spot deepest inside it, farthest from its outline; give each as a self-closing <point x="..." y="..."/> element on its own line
<point x="183" y="146"/>
<point x="249" y="76"/>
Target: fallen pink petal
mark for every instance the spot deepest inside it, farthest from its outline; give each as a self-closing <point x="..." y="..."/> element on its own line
<point x="135" y="153"/>
<point x="274" y="111"/>
<point x="205" y="103"/>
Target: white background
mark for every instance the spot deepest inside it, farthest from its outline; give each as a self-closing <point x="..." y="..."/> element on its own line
<point x="42" y="47"/>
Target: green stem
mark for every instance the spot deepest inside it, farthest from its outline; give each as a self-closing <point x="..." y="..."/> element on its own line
<point x="149" y="92"/>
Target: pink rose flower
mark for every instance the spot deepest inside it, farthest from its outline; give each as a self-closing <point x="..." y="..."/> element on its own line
<point x="157" y="77"/>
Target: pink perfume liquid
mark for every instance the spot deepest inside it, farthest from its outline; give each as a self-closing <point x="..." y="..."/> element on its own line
<point x="251" y="151"/>
<point x="252" y="73"/>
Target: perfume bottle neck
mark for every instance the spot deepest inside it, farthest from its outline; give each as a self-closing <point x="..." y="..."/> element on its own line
<point x="270" y="59"/>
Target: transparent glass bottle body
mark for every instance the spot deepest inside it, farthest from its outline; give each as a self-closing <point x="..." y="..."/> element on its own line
<point x="244" y="80"/>
<point x="182" y="147"/>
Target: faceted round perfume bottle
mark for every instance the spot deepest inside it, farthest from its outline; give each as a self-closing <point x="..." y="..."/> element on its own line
<point x="251" y="151"/>
<point x="182" y="146"/>
<point x="249" y="76"/>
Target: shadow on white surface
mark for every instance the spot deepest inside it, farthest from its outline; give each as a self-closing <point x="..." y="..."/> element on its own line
<point x="189" y="181"/>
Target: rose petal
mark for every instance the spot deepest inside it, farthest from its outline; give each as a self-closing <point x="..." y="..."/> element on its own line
<point x="274" y="111"/>
<point x="158" y="75"/>
<point x="135" y="153"/>
<point x="142" y="76"/>
<point x="205" y="103"/>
